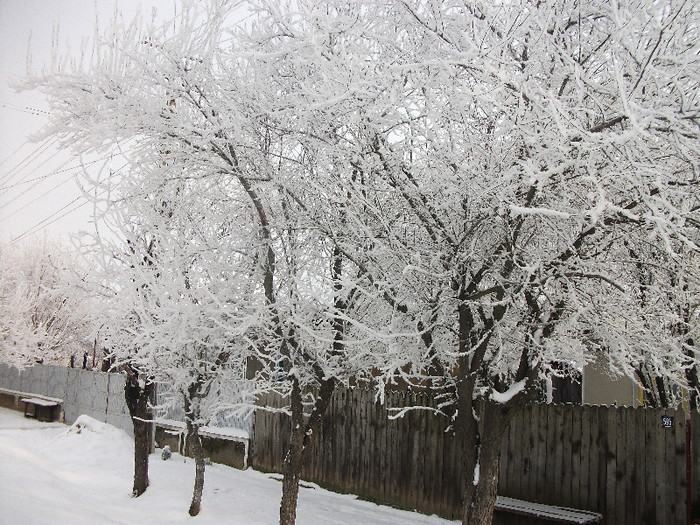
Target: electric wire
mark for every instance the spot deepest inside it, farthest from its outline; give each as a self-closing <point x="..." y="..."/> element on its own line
<point x="27" y="160"/>
<point x="36" y="199"/>
<point x="24" y="109"/>
<point x="57" y="215"/>
<point x="15" y="151"/>
<point x="55" y="172"/>
<point x="54" y="217"/>
<point x="34" y="185"/>
<point x="50" y="190"/>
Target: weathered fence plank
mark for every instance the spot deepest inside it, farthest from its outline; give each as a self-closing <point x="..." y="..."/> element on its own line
<point x="676" y="463"/>
<point x="695" y="462"/>
<point x="658" y="443"/>
<point x="581" y="482"/>
<point x="635" y="456"/>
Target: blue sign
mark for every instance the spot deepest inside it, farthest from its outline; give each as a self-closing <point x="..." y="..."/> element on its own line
<point x="667" y="421"/>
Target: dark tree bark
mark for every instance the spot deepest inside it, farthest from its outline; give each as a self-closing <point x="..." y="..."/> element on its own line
<point x="293" y="461"/>
<point x="138" y="394"/>
<point x="303" y="432"/>
<point x="300" y="445"/>
<point x="195" y="442"/>
<point x="494" y="422"/>
<point x="467" y="434"/>
<point x="194" y="446"/>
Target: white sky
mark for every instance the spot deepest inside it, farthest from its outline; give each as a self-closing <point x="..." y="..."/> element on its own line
<point x="38" y="194"/>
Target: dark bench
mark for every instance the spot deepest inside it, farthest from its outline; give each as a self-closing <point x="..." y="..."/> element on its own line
<point x="227" y="446"/>
<point x="547" y="512"/>
<point x="42" y="408"/>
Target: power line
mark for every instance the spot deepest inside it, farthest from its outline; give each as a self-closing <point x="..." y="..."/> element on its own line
<point x="24" y="109"/>
<point x="28" y="159"/>
<point x="10" y="155"/>
<point x="55" y="172"/>
<point x="57" y="215"/>
<point x="34" y="185"/>
<point x="48" y="220"/>
<point x="56" y="186"/>
<point x="54" y="217"/>
<point x="36" y="199"/>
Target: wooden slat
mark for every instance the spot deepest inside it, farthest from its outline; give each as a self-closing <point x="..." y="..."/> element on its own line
<point x="612" y="509"/>
<point x="634" y="489"/>
<point x="439" y="442"/>
<point x="576" y="457"/>
<point x="513" y="479"/>
<point x="594" y="460"/>
<point x="602" y="454"/>
<point x="551" y="473"/>
<point x="655" y="445"/>
<point x="521" y="452"/>
<point x="676" y="464"/>
<point x="648" y="504"/>
<point x="695" y="456"/>
<point x="363" y="439"/>
<point x="541" y="466"/>
<point x="381" y="419"/>
<point x="567" y="440"/>
<point x="531" y="415"/>
<point x="622" y="471"/>
<point x="388" y="443"/>
<point x="583" y="482"/>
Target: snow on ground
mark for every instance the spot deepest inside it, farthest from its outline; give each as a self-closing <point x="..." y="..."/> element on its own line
<point x="52" y="473"/>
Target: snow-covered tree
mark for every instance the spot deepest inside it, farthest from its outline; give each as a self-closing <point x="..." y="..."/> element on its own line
<point x="483" y="192"/>
<point x="520" y="187"/>
<point x="220" y="257"/>
<point x="176" y="312"/>
<point x="42" y="310"/>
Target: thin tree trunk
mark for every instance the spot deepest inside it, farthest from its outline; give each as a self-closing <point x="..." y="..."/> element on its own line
<point x="290" y="483"/>
<point x="137" y="398"/>
<point x="301" y="443"/>
<point x="195" y="442"/>
<point x="293" y="460"/>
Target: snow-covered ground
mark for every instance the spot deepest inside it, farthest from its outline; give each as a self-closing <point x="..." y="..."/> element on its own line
<point x="54" y="474"/>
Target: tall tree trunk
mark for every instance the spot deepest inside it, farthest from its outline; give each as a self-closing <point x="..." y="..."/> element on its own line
<point x="494" y="422"/>
<point x="137" y="396"/>
<point x="468" y="439"/>
<point x="300" y="445"/>
<point x="293" y="460"/>
<point x="195" y="443"/>
<point x="290" y="483"/>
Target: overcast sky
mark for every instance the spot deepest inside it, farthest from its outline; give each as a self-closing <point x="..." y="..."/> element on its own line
<point x="38" y="194"/>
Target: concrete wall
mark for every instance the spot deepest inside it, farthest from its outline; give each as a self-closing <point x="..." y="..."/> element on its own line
<point x="96" y="394"/>
<point x="101" y="395"/>
<point x="600" y="387"/>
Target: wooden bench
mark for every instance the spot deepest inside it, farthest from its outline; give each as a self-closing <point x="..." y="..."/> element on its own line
<point x="42" y="408"/>
<point x="170" y="432"/>
<point x="227" y="446"/>
<point x="547" y="512"/>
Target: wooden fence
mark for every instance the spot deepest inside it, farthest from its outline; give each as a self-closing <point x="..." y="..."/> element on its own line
<point x="621" y="462"/>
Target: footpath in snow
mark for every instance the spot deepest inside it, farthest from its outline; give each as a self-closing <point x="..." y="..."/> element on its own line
<point x="58" y="475"/>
